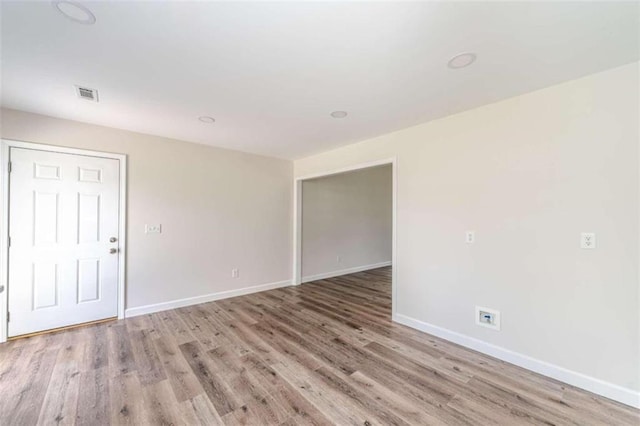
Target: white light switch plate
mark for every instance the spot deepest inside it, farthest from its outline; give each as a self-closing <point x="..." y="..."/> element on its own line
<point x="153" y="229"/>
<point x="587" y="240"/>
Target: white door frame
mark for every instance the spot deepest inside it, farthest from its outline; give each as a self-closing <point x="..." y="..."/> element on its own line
<point x="297" y="220"/>
<point x="4" y="226"/>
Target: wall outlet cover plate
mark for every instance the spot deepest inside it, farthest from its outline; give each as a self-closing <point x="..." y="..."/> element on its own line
<point x="487" y="317"/>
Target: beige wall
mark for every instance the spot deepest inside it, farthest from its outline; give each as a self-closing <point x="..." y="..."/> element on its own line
<point x="346" y="215"/>
<point x="219" y="209"/>
<point x="528" y="174"/>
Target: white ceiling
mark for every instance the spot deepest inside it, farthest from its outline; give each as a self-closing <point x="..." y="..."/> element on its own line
<point x="271" y="73"/>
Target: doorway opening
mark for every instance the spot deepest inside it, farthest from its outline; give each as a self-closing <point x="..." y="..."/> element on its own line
<point x="344" y="230"/>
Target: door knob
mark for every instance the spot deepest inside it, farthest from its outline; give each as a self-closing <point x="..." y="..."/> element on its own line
<point x="113" y="239"/>
<point x="113" y="251"/>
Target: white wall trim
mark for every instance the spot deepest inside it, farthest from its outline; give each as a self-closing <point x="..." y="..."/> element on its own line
<point x="297" y="218"/>
<point x="297" y="232"/>
<point x="348" y="169"/>
<point x="5" y="146"/>
<point x="179" y="303"/>
<point x="591" y="384"/>
<point x="340" y="272"/>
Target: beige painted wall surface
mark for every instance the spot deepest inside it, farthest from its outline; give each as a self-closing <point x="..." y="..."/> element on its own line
<point x="528" y="174"/>
<point x="346" y="215"/>
<point x="219" y="209"/>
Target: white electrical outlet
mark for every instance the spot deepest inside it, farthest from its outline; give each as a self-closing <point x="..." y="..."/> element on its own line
<point x="587" y="240"/>
<point x="470" y="237"/>
<point x="235" y="273"/>
<point x="153" y="229"/>
<point x="487" y="317"/>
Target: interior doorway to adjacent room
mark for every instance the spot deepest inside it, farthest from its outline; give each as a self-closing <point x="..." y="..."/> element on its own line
<point x="345" y="225"/>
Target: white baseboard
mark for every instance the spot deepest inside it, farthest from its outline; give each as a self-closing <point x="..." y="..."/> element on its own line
<point x="179" y="303"/>
<point x="353" y="270"/>
<point x="591" y="384"/>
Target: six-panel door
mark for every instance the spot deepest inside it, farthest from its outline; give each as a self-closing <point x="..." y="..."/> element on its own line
<point x="63" y="218"/>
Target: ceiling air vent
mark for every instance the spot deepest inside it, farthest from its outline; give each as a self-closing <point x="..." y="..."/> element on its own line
<point x="87" y="94"/>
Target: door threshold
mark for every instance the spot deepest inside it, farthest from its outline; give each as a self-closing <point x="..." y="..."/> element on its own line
<point x="65" y="328"/>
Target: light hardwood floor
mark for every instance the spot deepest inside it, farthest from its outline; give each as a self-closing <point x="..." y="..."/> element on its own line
<point x="321" y="353"/>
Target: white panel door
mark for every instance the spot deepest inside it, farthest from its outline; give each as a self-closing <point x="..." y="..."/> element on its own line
<point x="63" y="226"/>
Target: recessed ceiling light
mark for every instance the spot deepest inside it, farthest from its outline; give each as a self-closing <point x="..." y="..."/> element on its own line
<point x="339" y="114"/>
<point x="74" y="11"/>
<point x="462" y="60"/>
<point x="206" y="119"/>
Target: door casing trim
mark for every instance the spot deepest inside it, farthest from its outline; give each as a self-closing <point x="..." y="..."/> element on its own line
<point x="5" y="146"/>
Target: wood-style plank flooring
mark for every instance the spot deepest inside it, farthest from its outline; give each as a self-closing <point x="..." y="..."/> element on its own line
<point x="321" y="353"/>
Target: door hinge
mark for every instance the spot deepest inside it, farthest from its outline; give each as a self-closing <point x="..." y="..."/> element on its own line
<point x="9" y="166"/>
<point x="8" y="316"/>
<point x="9" y="241"/>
